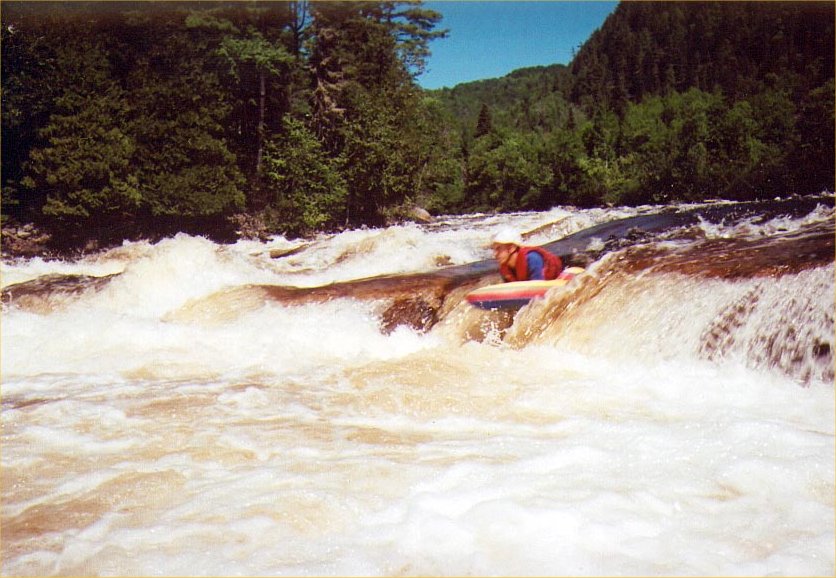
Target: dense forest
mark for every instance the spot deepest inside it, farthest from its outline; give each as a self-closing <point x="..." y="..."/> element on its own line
<point x="132" y="119"/>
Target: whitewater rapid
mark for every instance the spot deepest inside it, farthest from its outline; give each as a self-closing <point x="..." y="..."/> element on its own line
<point x="164" y="418"/>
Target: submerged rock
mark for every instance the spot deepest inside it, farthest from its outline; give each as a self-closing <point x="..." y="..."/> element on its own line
<point x="51" y="292"/>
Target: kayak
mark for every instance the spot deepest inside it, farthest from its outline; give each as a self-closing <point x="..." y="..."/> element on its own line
<point x="516" y="294"/>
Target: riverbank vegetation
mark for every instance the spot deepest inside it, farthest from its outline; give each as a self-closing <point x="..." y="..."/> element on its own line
<point x="137" y="119"/>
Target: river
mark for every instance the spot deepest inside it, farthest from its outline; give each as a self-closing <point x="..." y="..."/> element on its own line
<point x="334" y="407"/>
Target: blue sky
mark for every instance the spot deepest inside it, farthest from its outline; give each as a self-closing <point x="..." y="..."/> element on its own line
<point x="490" y="39"/>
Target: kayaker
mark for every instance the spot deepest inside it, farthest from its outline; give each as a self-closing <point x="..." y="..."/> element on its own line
<point x="518" y="262"/>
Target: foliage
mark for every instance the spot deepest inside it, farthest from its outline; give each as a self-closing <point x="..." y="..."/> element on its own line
<point x="84" y="165"/>
<point x="439" y="184"/>
<point x="143" y="114"/>
<point x="309" y="188"/>
<point x="505" y="172"/>
<point x="185" y="167"/>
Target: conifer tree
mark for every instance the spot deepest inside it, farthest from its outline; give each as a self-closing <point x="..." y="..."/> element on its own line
<point x="484" y="125"/>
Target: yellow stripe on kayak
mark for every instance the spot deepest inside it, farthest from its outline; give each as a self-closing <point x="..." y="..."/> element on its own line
<point x="517" y="289"/>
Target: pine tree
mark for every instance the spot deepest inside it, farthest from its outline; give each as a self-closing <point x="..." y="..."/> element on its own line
<point x="484" y="124"/>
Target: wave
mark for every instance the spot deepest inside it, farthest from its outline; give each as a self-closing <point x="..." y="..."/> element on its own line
<point x="755" y="287"/>
<point x="187" y="407"/>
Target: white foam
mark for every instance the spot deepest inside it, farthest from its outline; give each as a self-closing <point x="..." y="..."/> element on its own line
<point x="302" y="440"/>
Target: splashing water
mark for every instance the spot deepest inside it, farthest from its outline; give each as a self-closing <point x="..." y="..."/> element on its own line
<point x="656" y="416"/>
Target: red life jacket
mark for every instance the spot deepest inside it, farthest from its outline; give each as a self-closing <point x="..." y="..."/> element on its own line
<point x="552" y="265"/>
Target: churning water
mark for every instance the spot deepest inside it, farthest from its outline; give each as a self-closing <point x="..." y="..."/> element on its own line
<point x="670" y="412"/>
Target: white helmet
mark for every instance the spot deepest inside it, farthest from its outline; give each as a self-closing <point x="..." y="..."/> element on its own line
<point x="508" y="236"/>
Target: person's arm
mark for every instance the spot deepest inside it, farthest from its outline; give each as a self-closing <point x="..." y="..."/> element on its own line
<point x="535" y="266"/>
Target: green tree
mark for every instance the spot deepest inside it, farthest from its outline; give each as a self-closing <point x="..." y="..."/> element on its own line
<point x="695" y="113"/>
<point x="607" y="181"/>
<point x="740" y="153"/>
<point x="30" y="87"/>
<point x="439" y="158"/>
<point x="378" y="169"/>
<point x="646" y="134"/>
<point x="365" y="101"/>
<point x="413" y="28"/>
<point x="256" y="52"/>
<point x="251" y="41"/>
<point x="484" y="125"/>
<point x="671" y="147"/>
<point x="184" y="165"/>
<point x="505" y="173"/>
<point x="83" y="165"/>
<point x="562" y="153"/>
<point x="310" y="192"/>
<point x="813" y="158"/>
<point x="774" y="115"/>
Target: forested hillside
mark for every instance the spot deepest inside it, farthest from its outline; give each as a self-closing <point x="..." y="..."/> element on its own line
<point x="745" y="91"/>
<point x="123" y="118"/>
<point x="126" y="119"/>
<point x="528" y="98"/>
<point x="666" y="101"/>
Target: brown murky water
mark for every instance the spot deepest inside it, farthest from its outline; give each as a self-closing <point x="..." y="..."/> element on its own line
<point x="189" y="409"/>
